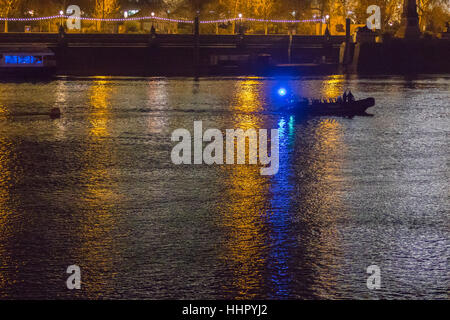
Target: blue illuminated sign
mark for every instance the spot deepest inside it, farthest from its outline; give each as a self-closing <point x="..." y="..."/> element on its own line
<point x="22" y="60"/>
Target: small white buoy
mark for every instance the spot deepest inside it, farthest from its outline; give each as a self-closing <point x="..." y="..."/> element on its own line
<point x="55" y="113"/>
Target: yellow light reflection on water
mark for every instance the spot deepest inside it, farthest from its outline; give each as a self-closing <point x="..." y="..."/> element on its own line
<point x="333" y="87"/>
<point x="6" y="211"/>
<point x="100" y="112"/>
<point x="246" y="207"/>
<point x="247" y="102"/>
<point x="4" y="112"/>
<point x="97" y="224"/>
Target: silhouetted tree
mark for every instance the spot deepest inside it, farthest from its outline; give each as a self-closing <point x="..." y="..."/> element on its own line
<point x="430" y="11"/>
<point x="8" y="8"/>
<point x="106" y="9"/>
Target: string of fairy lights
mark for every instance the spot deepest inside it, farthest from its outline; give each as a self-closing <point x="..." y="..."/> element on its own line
<point x="155" y="18"/>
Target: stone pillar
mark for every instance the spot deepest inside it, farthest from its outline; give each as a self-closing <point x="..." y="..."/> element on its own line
<point x="410" y="21"/>
<point x="197" y="45"/>
<point x="197" y="25"/>
<point x="345" y="57"/>
<point x="348" y="23"/>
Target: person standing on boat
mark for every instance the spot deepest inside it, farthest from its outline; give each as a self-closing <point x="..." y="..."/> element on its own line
<point x="350" y="96"/>
<point x="345" y="96"/>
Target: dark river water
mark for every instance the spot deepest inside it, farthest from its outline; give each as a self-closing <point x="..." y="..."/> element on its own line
<point x="97" y="188"/>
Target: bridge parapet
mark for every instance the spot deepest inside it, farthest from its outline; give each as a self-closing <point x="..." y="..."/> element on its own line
<point x="174" y="39"/>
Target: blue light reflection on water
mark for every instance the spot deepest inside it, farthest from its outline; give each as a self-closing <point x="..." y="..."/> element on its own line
<point x="282" y="189"/>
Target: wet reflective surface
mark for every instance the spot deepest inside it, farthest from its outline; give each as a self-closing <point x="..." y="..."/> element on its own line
<point x="97" y="188"/>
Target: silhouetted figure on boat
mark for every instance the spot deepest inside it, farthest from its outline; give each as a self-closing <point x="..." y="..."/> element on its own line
<point x="350" y="96"/>
<point x="345" y="96"/>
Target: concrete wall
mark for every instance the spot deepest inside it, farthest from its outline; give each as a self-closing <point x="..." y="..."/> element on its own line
<point x="141" y="55"/>
<point x="399" y="56"/>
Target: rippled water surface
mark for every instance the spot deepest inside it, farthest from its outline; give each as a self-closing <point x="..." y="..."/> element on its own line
<point x="97" y="188"/>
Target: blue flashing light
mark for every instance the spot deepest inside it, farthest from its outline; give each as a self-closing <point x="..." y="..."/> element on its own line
<point x="282" y="92"/>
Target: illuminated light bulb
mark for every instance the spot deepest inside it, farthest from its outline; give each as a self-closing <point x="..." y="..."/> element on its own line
<point x="240" y="15"/>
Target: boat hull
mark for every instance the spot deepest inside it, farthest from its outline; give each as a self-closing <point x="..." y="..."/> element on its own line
<point x="27" y="73"/>
<point x="337" y="109"/>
